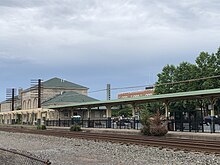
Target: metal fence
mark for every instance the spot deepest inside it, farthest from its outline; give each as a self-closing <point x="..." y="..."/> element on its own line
<point x="199" y="125"/>
<point x="106" y="123"/>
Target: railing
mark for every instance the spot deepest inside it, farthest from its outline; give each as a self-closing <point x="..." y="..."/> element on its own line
<point x="103" y="123"/>
<point x="198" y="125"/>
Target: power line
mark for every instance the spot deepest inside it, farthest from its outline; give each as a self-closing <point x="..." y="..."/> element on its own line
<point x="153" y="85"/>
<point x="100" y="90"/>
<point x="129" y="87"/>
<point x="191" y="80"/>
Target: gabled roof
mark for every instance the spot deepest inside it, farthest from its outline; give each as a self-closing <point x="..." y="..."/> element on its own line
<point x="68" y="97"/>
<point x="60" y="83"/>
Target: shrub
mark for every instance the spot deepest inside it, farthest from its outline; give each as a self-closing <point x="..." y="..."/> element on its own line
<point x="158" y="130"/>
<point x="146" y="130"/>
<point x="41" y="127"/>
<point x="152" y="126"/>
<point x="75" y="127"/>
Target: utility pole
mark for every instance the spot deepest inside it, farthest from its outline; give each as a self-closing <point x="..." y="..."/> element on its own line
<point x="108" y="92"/>
<point x="10" y="97"/>
<point x="13" y="100"/>
<point x="37" y="90"/>
<point x="39" y="93"/>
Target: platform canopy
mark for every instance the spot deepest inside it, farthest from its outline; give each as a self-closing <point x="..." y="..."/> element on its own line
<point x="192" y="95"/>
<point x="26" y="111"/>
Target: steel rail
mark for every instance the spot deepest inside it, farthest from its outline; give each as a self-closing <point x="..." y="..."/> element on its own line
<point x="168" y="143"/>
<point x="47" y="162"/>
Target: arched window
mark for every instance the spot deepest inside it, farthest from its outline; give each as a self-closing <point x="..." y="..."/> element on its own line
<point x="35" y="103"/>
<point x="24" y="105"/>
<point x="29" y="104"/>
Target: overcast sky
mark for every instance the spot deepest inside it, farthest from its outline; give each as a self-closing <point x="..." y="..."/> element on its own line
<point x="95" y="42"/>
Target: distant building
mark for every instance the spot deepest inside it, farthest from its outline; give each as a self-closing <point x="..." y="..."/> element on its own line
<point x="146" y="92"/>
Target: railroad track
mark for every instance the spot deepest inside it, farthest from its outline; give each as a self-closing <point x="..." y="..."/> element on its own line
<point x="29" y="156"/>
<point x="162" y="142"/>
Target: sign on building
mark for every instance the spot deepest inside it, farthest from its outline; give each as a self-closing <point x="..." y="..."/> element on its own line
<point x="147" y="92"/>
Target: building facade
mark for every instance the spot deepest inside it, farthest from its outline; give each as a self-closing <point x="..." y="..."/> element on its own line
<point x="54" y="92"/>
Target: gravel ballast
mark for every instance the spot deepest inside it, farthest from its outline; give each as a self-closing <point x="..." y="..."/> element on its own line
<point x="82" y="152"/>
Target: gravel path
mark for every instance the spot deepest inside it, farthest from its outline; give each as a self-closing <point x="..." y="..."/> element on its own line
<point x="64" y="151"/>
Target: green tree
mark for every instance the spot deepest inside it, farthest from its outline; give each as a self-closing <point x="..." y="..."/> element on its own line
<point x="184" y="72"/>
<point x="207" y="66"/>
<point x="166" y="76"/>
<point x="123" y="110"/>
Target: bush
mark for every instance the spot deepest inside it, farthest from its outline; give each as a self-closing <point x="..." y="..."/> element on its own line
<point x="158" y="130"/>
<point x="153" y="126"/>
<point x="75" y="127"/>
<point x="146" y="130"/>
<point x="41" y="127"/>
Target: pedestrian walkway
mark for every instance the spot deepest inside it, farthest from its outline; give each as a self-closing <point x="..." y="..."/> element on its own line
<point x="194" y="135"/>
<point x="172" y="134"/>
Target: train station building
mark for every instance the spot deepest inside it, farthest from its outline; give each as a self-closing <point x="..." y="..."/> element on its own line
<point x="54" y="92"/>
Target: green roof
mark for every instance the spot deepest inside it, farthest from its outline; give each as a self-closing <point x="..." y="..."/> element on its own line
<point x="60" y="83"/>
<point x="153" y="98"/>
<point x="68" y="97"/>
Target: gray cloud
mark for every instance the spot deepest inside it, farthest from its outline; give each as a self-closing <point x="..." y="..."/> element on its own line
<point x="10" y="61"/>
<point x="105" y="38"/>
<point x="22" y="3"/>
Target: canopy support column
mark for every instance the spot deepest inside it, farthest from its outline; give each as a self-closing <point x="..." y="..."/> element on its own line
<point x="108" y="115"/>
<point x="212" y="101"/>
<point x="108" y="111"/>
<point x="134" y="110"/>
<point x="88" y="112"/>
<point x="38" y="118"/>
<point x="166" y="104"/>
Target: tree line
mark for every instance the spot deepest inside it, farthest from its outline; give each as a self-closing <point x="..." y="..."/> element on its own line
<point x="205" y="73"/>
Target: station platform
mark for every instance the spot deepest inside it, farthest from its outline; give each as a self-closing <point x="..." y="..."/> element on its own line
<point x="194" y="135"/>
<point x="170" y="134"/>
